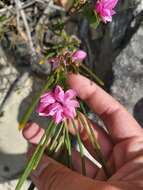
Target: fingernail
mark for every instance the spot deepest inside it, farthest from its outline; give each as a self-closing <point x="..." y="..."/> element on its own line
<point x="33" y="133"/>
<point x="40" y="169"/>
<point x="30" y="130"/>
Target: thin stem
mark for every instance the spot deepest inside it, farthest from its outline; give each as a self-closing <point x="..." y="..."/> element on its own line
<point x="86" y="69"/>
<point x="99" y="153"/>
<point x="32" y="186"/>
<point x="68" y="144"/>
<point x="94" y="142"/>
<point x="44" y="144"/>
<point x="36" y="156"/>
<point x="82" y="107"/>
<point x="54" y="143"/>
<point x="61" y="142"/>
<point x="34" y="102"/>
<point x="80" y="148"/>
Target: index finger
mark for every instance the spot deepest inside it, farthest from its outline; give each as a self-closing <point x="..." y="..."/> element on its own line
<point x="119" y="122"/>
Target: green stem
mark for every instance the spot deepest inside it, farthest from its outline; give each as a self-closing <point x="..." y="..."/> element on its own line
<point x="86" y="69"/>
<point x="54" y="143"/>
<point x="68" y="144"/>
<point x="99" y="153"/>
<point x="54" y="153"/>
<point x="82" y="107"/>
<point x="34" y="102"/>
<point x="35" y="157"/>
<point x="94" y="142"/>
<point x="44" y="144"/>
<point x="61" y="142"/>
<point x="80" y="148"/>
<point x="31" y="187"/>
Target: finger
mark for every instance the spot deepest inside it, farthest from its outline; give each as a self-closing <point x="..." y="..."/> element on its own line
<point x="131" y="168"/>
<point x="120" y="123"/>
<point x="91" y="168"/>
<point x="32" y="133"/>
<point x="102" y="137"/>
<point x="54" y="176"/>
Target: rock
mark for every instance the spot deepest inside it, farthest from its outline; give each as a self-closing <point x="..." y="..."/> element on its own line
<point x="139" y="7"/>
<point x="102" y="45"/>
<point x="13" y="147"/>
<point x="11" y="185"/>
<point x="106" y="43"/>
<point x="8" y="74"/>
<point x="128" y="76"/>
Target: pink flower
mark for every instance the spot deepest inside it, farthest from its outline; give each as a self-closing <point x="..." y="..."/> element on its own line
<point x="58" y="104"/>
<point x="79" y="55"/>
<point x="105" y="9"/>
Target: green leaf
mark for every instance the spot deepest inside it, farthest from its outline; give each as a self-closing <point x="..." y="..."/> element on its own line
<point x="68" y="144"/>
<point x="80" y="148"/>
<point x="92" y="74"/>
<point x="54" y="143"/>
<point x="91" y="16"/>
<point x="89" y="129"/>
<point x="36" y="156"/>
<point x="3" y="18"/>
<point x="34" y="103"/>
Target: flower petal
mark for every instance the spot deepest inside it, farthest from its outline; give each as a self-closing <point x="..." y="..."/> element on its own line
<point x="59" y="94"/>
<point x="69" y="94"/>
<point x="58" y="117"/>
<point x="105" y="9"/>
<point x="54" y="108"/>
<point x="110" y="4"/>
<point x="69" y="113"/>
<point x="58" y="104"/>
<point x="79" y="55"/>
<point x="71" y="103"/>
<point x="47" y="98"/>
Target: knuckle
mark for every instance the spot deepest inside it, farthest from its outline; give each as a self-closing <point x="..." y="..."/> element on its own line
<point x="129" y="148"/>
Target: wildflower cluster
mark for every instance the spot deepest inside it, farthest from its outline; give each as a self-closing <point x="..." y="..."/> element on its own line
<point x="58" y="104"/>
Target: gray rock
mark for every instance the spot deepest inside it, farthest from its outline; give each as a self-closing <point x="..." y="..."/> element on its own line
<point x="102" y="45"/>
<point x="8" y="74"/>
<point x="106" y="43"/>
<point x="11" y="185"/>
<point x="128" y="76"/>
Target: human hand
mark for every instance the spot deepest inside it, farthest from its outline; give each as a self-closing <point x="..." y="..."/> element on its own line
<point x="122" y="147"/>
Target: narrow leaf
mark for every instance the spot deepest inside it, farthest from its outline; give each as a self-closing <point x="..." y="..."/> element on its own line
<point x="81" y="149"/>
<point x="34" y="103"/>
<point x="36" y="157"/>
<point x="85" y="122"/>
<point x="88" y="71"/>
<point x="68" y="144"/>
<point x="54" y="143"/>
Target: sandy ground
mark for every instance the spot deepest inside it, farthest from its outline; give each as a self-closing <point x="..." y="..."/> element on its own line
<point x="12" y="144"/>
